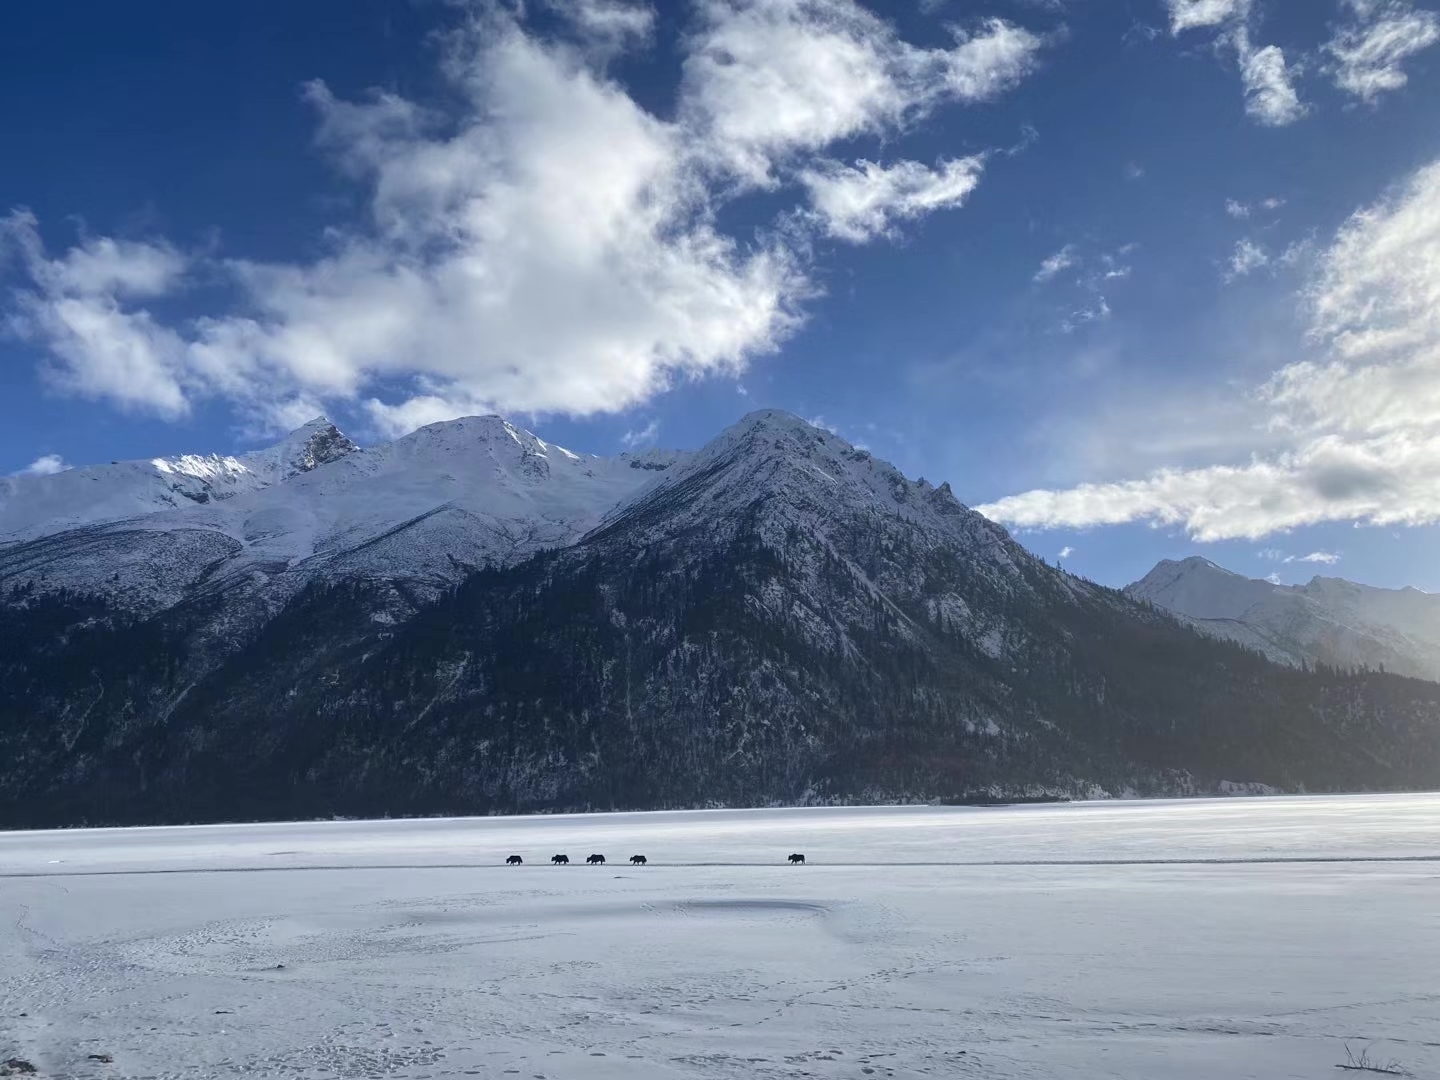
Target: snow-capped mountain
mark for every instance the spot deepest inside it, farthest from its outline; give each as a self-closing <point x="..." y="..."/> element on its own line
<point x="32" y="506"/>
<point x="424" y="510"/>
<point x="1327" y="621"/>
<point x="471" y="619"/>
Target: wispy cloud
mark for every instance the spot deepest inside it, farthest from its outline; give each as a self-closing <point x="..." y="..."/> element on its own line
<point x="1368" y="53"/>
<point x="1328" y="558"/>
<point x="645" y="436"/>
<point x="1066" y="551"/>
<point x="1242" y="211"/>
<point x="1268" y="81"/>
<point x="820" y="422"/>
<point x="1094" y="274"/>
<point x="606" y="27"/>
<point x="860" y="202"/>
<point x="1055" y="264"/>
<point x="1359" y="424"/>
<point x="1097" y="311"/>
<point x="1247" y="257"/>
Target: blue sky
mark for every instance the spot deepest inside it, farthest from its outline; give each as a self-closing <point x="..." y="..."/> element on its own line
<point x="1140" y="278"/>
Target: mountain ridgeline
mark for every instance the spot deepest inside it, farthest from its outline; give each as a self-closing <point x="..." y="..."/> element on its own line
<point x="1327" y="621"/>
<point x="471" y="620"/>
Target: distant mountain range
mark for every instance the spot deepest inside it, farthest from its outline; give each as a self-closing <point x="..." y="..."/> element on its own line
<point x="1329" y="621"/>
<point x="472" y="620"/>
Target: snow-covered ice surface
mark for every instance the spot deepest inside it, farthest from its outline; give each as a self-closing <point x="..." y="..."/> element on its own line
<point x="1208" y="938"/>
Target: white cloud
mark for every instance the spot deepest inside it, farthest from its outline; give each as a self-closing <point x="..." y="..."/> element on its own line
<point x="645" y="436"/>
<point x="45" y="465"/>
<point x="858" y="203"/>
<point x="607" y="26"/>
<point x="1066" y="551"/>
<point x="1237" y="209"/>
<point x="1247" y="257"/>
<point x="1270" y="95"/>
<point x="987" y="63"/>
<point x="1368" y="53"/>
<point x="1062" y="260"/>
<point x="1195" y="14"/>
<point x="1273" y="578"/>
<point x="1328" y="558"/>
<point x="768" y="79"/>
<point x="431" y="404"/>
<point x="1361" y="420"/>
<point x="544" y="244"/>
<point x="823" y="424"/>
<point x="81" y="310"/>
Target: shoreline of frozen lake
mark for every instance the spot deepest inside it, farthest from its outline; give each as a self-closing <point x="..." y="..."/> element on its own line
<point x="1189" y="938"/>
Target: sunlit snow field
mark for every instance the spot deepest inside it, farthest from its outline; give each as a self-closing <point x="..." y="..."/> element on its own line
<point x="1215" y="938"/>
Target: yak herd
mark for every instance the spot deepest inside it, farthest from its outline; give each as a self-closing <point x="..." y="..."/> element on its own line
<point x="599" y="860"/>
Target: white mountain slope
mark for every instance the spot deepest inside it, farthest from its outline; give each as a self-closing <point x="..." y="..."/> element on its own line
<point x="425" y="509"/>
<point x="32" y="506"/>
<point x="1329" y="620"/>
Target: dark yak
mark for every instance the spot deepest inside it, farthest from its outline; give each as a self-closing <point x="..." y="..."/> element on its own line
<point x="596" y="860"/>
<point x="637" y="860"/>
<point x="797" y="858"/>
<point x="560" y="860"/>
<point x="514" y="860"/>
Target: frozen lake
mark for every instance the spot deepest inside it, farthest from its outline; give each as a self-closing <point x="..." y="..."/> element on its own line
<point x="1210" y="938"/>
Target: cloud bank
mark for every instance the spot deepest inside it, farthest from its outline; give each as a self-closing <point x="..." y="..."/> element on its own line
<point x="1361" y="420"/>
<point x="546" y="245"/>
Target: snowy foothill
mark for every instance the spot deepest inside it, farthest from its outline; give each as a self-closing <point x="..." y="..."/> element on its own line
<point x="1197" y="938"/>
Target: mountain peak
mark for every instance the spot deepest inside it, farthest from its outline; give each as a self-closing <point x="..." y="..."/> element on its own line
<point x="466" y="433"/>
<point x="316" y="443"/>
<point x="1194" y="563"/>
<point x="1330" y="620"/>
<point x="775" y="420"/>
<point x="1199" y="588"/>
